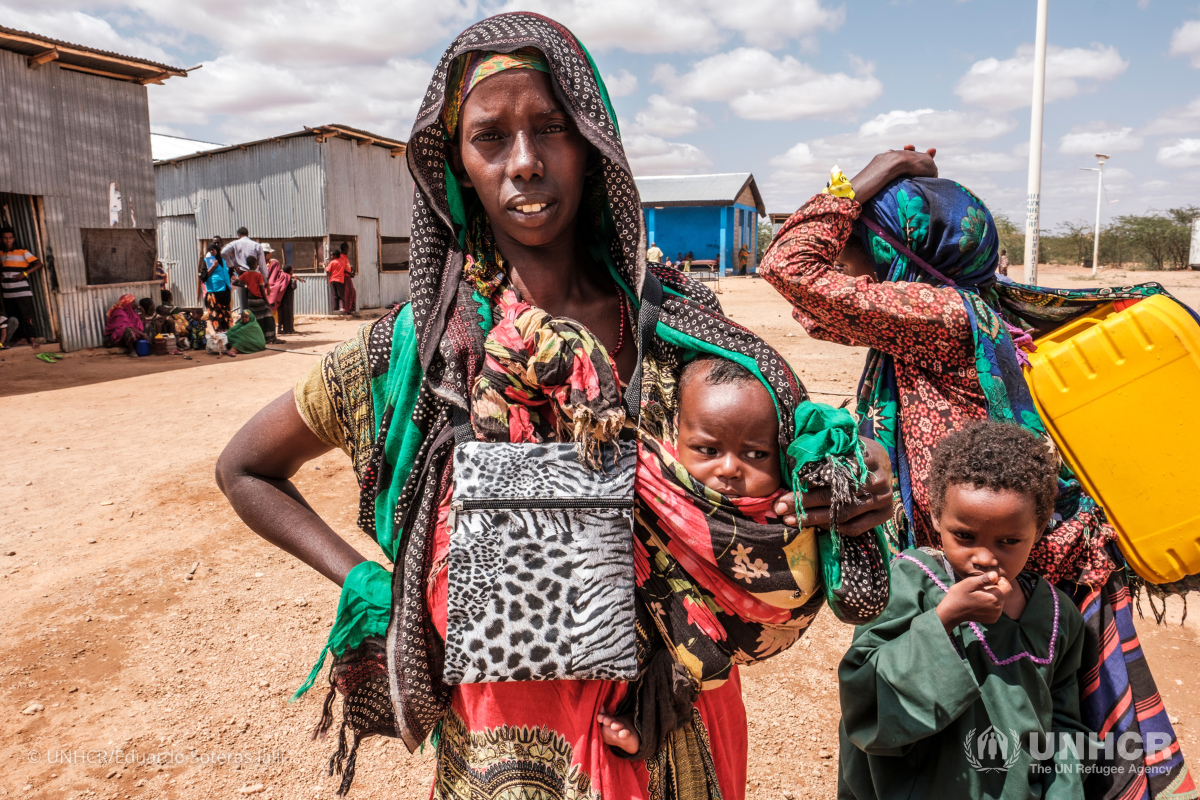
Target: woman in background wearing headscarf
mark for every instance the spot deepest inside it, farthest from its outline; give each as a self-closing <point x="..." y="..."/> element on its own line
<point x="123" y="326"/>
<point x="527" y="228"/>
<point x="278" y="282"/>
<point x="905" y="263"/>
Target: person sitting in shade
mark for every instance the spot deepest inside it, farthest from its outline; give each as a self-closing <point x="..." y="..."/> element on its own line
<point x="256" y="299"/>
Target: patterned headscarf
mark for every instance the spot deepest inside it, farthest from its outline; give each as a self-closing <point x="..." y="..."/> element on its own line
<point x="124" y="301"/>
<point x="470" y="69"/>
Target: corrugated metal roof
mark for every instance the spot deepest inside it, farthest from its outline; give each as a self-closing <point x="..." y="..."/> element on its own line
<point x="321" y="132"/>
<point x="164" y="146"/>
<point x="42" y="49"/>
<point x="720" y="189"/>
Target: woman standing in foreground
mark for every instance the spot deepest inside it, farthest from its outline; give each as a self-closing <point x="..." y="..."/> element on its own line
<point x="524" y="196"/>
<point x="904" y="263"/>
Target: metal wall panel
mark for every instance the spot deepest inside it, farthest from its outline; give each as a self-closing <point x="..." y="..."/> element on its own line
<point x="82" y="313"/>
<point x="179" y="251"/>
<point x="313" y="297"/>
<point x="393" y="288"/>
<point x="366" y="181"/>
<point x="274" y="189"/>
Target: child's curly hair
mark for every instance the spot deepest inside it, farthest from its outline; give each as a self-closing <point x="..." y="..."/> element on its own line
<point x="996" y="455"/>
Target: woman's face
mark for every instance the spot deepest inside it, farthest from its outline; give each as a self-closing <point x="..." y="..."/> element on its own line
<point x="522" y="154"/>
<point x="854" y="259"/>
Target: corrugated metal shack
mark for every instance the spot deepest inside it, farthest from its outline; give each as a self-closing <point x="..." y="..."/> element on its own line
<point x="711" y="216"/>
<point x="76" y="177"/>
<point x="304" y="193"/>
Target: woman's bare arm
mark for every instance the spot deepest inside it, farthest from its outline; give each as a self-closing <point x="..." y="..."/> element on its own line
<point x="255" y="470"/>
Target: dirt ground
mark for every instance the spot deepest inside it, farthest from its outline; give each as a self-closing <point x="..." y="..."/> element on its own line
<point x="154" y="640"/>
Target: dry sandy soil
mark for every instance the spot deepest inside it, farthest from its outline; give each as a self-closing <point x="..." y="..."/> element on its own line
<point x="147" y="621"/>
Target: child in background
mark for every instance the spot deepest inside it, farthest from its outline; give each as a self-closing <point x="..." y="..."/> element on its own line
<point x="729" y="441"/>
<point x="974" y="656"/>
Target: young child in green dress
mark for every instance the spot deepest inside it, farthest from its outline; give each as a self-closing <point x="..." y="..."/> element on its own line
<point x="974" y="660"/>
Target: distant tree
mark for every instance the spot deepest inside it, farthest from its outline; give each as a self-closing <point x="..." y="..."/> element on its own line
<point x="1180" y="240"/>
<point x="1152" y="235"/>
<point x="765" y="234"/>
<point x="1012" y="238"/>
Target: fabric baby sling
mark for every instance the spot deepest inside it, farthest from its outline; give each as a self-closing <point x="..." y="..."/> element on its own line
<point x="532" y="522"/>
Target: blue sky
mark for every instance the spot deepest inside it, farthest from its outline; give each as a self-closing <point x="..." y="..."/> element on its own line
<point x="784" y="89"/>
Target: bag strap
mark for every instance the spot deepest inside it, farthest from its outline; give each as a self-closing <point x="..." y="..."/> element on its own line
<point x="652" y="297"/>
<point x="647" y="322"/>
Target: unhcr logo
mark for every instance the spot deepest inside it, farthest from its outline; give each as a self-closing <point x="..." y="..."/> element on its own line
<point x="992" y="750"/>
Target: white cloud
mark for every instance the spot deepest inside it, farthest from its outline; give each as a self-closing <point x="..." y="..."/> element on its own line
<point x="679" y="26"/>
<point x="926" y="127"/>
<point x="652" y="155"/>
<point x="663" y="117"/>
<point x="1008" y="84"/>
<point x="804" y="168"/>
<point x="759" y="85"/>
<point x="1185" y="41"/>
<point x="247" y="99"/>
<point x="1099" y="137"/>
<point x="1177" y="120"/>
<point x="279" y="65"/>
<point x="979" y="162"/>
<point x="622" y="84"/>
<point x="81" y="28"/>
<point x="1183" y="153"/>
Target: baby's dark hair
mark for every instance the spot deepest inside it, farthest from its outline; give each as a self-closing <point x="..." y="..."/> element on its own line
<point x="996" y="455"/>
<point x="716" y="371"/>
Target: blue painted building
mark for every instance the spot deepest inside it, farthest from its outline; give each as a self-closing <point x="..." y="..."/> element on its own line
<point x="710" y="215"/>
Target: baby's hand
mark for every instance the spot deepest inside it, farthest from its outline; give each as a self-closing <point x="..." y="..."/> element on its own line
<point x="979" y="598"/>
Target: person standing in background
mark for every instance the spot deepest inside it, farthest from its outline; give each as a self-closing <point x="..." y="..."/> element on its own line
<point x="240" y="249"/>
<point x="164" y="282"/>
<point x="219" y="293"/>
<point x="743" y="258"/>
<point x="1002" y="266"/>
<point x="287" y="305"/>
<point x="16" y="265"/>
<point x="337" y="269"/>
<point x="654" y="254"/>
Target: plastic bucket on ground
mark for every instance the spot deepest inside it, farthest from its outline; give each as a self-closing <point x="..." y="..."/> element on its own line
<point x="141" y="347"/>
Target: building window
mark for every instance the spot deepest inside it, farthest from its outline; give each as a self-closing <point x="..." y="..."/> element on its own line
<point x="302" y="254"/>
<point x="118" y="255"/>
<point x="395" y="254"/>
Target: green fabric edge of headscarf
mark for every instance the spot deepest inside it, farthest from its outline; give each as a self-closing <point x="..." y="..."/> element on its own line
<point x="397" y="389"/>
<point x="364" y="608"/>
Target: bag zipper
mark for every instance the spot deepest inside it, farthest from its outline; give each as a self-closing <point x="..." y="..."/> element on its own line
<point x="535" y="504"/>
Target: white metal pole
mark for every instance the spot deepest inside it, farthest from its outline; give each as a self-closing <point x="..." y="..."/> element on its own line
<point x="1033" y="201"/>
<point x="1096" y="230"/>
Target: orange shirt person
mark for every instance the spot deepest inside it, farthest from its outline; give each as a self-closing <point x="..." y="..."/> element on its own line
<point x="337" y="269"/>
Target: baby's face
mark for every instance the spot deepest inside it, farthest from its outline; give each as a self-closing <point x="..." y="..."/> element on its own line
<point x="729" y="437"/>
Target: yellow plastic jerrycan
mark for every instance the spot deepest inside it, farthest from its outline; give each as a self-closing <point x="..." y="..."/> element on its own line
<point x="1117" y="389"/>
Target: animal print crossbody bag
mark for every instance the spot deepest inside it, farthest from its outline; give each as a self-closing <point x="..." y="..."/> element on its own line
<point x="540" y="562"/>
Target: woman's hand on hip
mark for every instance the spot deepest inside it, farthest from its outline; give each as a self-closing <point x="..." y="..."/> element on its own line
<point x="887" y="167"/>
<point x="872" y="507"/>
